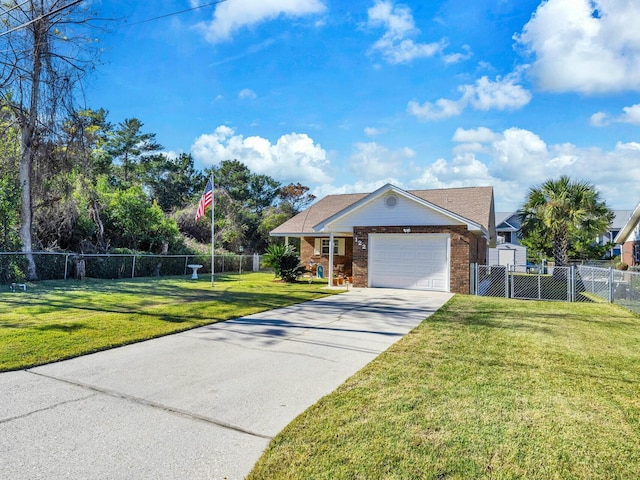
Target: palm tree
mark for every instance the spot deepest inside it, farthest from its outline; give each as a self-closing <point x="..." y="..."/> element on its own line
<point x="559" y="209"/>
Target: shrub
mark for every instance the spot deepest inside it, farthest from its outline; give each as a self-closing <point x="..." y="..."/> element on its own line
<point x="285" y="262"/>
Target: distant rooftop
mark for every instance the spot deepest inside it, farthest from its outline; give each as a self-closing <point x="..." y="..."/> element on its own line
<point x="621" y="217"/>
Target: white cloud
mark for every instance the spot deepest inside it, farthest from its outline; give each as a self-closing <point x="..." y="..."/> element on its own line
<point x="442" y="108"/>
<point x="247" y="94"/>
<point x="458" y="57"/>
<point x="397" y="45"/>
<point x="171" y="154"/>
<point x="519" y="153"/>
<point x="599" y="119"/>
<point x="511" y="161"/>
<point x="294" y="157"/>
<point x="501" y="94"/>
<point x="371" y="160"/>
<point x="372" y="131"/>
<point x="588" y="46"/>
<point x="463" y="171"/>
<point x="473" y="140"/>
<point x="357" y="187"/>
<point x="229" y="17"/>
<point x="481" y="134"/>
<point x="630" y="115"/>
<point x="515" y="160"/>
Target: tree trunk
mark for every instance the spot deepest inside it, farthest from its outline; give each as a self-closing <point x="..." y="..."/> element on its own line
<point x="100" y="226"/>
<point x="81" y="269"/>
<point x="26" y="216"/>
<point x="28" y="123"/>
<point x="560" y="246"/>
<point x="164" y="251"/>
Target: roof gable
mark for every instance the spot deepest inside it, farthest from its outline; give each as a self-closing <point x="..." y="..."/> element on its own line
<point x="509" y="221"/>
<point x="406" y="208"/>
<point x="469" y="205"/>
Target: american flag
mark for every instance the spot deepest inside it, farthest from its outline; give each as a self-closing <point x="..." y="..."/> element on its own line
<point x="205" y="200"/>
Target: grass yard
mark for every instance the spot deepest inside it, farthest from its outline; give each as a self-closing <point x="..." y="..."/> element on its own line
<point x="61" y="319"/>
<point x="485" y="388"/>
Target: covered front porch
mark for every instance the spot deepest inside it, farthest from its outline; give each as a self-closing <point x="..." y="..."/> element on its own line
<point x="326" y="262"/>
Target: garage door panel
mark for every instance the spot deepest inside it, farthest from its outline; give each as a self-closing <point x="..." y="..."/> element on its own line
<point x="418" y="261"/>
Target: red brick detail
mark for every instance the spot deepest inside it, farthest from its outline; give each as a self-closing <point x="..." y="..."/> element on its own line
<point x="627" y="253"/>
<point x="307" y="253"/>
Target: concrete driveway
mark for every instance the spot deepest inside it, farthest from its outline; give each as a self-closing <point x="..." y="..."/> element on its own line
<point x="199" y="404"/>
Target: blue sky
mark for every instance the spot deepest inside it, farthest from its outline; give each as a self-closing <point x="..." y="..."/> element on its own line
<point x="347" y="96"/>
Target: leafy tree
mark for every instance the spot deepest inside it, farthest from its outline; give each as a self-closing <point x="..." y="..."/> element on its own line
<point x="87" y="136"/>
<point x="241" y="197"/>
<point x="172" y="182"/>
<point x="253" y="192"/>
<point x="563" y="211"/>
<point x="128" y="145"/>
<point x="42" y="60"/>
<point x="9" y="184"/>
<point x="294" y="198"/>
<point x="139" y="222"/>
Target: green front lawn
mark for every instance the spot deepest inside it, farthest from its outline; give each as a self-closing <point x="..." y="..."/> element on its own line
<point x="484" y="388"/>
<point x="62" y="319"/>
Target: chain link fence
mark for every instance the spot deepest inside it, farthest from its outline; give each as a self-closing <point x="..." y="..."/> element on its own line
<point x="518" y="281"/>
<point x="63" y="266"/>
<point x="566" y="284"/>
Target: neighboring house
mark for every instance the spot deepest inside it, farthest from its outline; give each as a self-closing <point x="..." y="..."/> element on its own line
<point x="419" y="239"/>
<point x="610" y="235"/>
<point x="629" y="238"/>
<point x="508" y="227"/>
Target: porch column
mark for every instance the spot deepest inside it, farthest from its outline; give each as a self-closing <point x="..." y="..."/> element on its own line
<point x="330" y="259"/>
<point x="286" y="240"/>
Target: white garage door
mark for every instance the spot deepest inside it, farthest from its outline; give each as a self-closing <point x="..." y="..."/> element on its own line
<point x="413" y="261"/>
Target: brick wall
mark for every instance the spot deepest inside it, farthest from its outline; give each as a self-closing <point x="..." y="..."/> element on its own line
<point x="465" y="248"/>
<point x="307" y="253"/>
<point x="627" y="253"/>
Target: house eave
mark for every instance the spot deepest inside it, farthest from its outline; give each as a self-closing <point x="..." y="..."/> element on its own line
<point x="628" y="227"/>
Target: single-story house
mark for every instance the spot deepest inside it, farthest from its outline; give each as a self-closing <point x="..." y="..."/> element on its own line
<point x="416" y="239"/>
<point x="629" y="238"/>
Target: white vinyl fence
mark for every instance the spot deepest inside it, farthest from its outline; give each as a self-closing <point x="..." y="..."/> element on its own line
<point x="565" y="284"/>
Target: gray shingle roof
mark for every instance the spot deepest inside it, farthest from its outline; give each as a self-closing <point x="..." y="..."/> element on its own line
<point x="472" y="203"/>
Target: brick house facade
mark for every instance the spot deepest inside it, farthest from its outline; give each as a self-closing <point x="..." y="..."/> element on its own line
<point x="466" y="248"/>
<point x="462" y="219"/>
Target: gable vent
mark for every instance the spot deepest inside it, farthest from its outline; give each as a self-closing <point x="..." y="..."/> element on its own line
<point x="391" y="201"/>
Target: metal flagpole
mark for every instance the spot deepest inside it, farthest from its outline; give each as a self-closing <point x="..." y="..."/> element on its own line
<point x="213" y="206"/>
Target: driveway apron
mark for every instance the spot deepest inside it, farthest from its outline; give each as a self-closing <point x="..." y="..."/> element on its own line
<point x="200" y="404"/>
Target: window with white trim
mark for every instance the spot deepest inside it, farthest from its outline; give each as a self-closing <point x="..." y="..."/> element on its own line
<point x="322" y="246"/>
